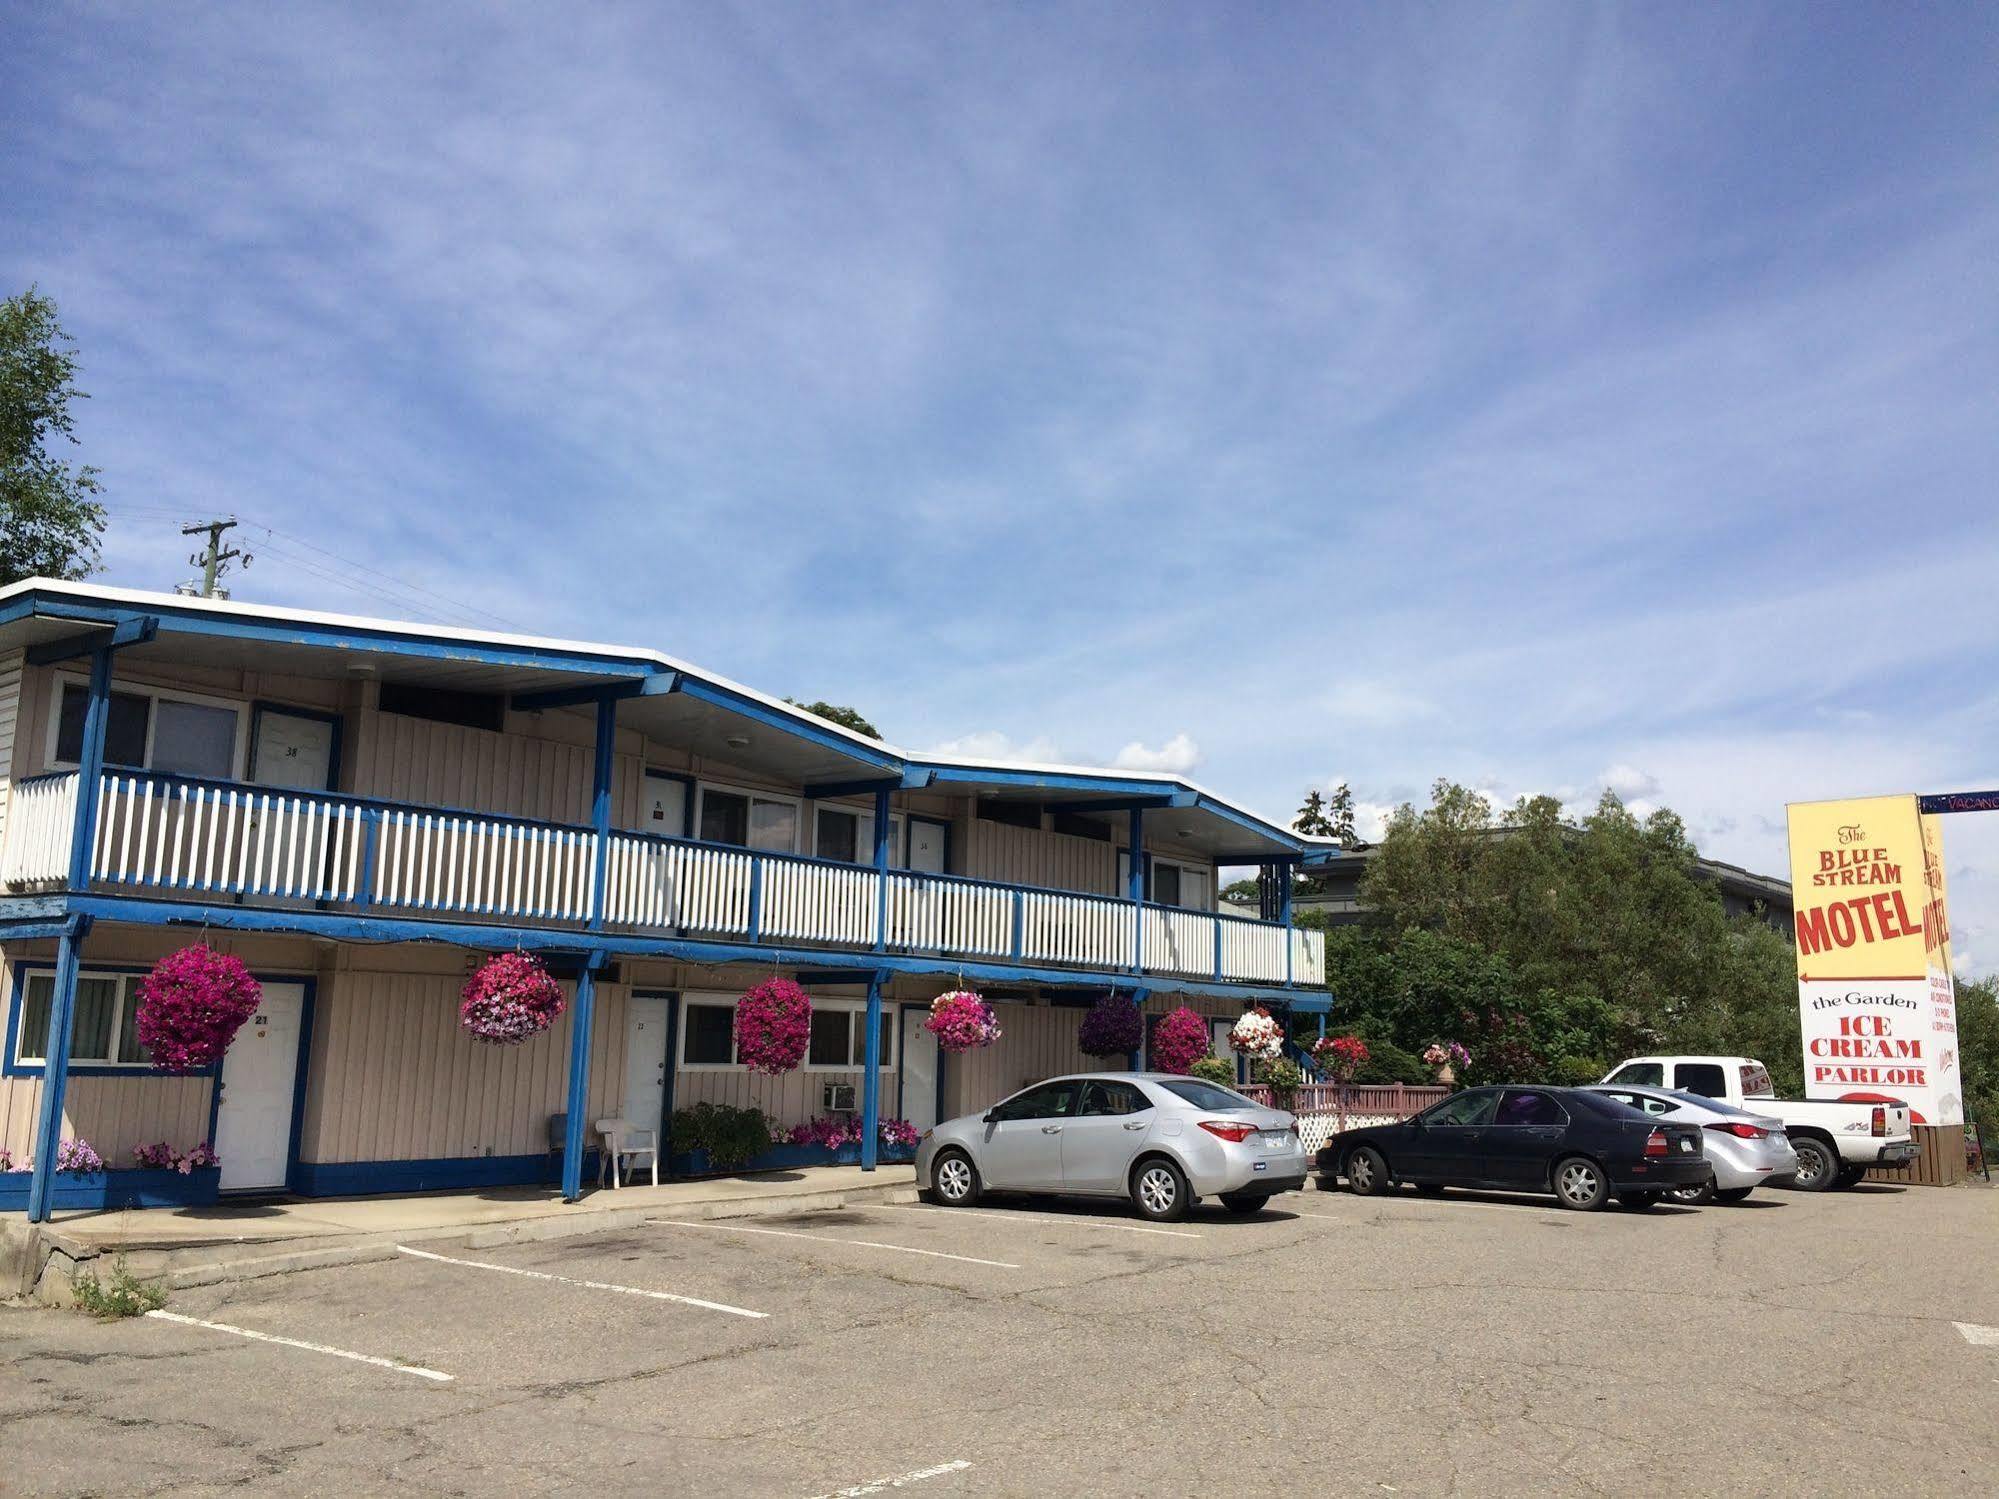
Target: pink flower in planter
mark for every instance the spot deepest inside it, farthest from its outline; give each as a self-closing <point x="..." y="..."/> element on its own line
<point x="773" y="1027"/>
<point x="1179" y="1040"/>
<point x="961" y="1021"/>
<point x="510" y="999"/>
<point x="191" y="1006"/>
<point x="77" y="1156"/>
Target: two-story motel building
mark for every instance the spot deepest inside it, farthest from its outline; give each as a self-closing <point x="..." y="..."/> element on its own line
<point x="361" y="809"/>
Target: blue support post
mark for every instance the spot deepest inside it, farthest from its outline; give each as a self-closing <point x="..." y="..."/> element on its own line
<point x="573" y="1136"/>
<point x="756" y="897"/>
<point x="1135" y="889"/>
<point x="600" y="806"/>
<point x="1218" y="949"/>
<point x="62" y="1006"/>
<point x="881" y="870"/>
<point x="871" y="1078"/>
<point x="1131" y="1058"/>
<point x="371" y="846"/>
<point x="1284" y="884"/>
<point x="1019" y="925"/>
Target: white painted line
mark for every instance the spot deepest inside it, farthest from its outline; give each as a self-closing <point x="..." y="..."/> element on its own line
<point x="1129" y="1228"/>
<point x="588" y="1285"/>
<point x="782" y="1233"/>
<point x="877" y="1485"/>
<point x="1977" y="1336"/>
<point x="268" y="1337"/>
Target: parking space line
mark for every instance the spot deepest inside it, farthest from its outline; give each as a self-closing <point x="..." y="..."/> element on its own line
<point x="784" y="1233"/>
<point x="1977" y="1336"/>
<point x="588" y="1285"/>
<point x="878" y="1485"/>
<point x="1129" y="1228"/>
<point x="271" y="1337"/>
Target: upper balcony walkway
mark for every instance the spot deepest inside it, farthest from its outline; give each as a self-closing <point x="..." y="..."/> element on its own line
<point x="165" y="835"/>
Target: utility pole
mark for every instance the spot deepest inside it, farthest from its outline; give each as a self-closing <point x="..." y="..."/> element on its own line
<point x="213" y="559"/>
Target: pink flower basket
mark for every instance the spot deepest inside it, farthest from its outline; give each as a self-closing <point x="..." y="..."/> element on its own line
<point x="191" y="1006"/>
<point x="773" y="1026"/>
<point x="510" y="1000"/>
<point x="1179" y="1040"/>
<point x="962" y="1021"/>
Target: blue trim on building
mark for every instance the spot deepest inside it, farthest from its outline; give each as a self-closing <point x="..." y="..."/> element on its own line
<point x="447" y="1173"/>
<point x="103" y="1190"/>
<point x="307" y="1007"/>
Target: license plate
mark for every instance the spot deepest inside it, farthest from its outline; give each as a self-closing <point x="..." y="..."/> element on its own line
<point x="1276" y="1137"/>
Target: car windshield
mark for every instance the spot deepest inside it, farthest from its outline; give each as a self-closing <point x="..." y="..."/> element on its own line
<point x="1208" y="1095"/>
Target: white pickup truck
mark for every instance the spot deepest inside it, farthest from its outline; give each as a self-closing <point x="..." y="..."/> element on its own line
<point x="1836" y="1142"/>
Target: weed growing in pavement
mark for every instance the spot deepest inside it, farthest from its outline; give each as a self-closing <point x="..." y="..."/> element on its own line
<point x="125" y="1295"/>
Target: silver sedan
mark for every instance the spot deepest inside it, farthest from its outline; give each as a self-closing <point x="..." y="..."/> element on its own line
<point x="1746" y="1150"/>
<point x="1163" y="1140"/>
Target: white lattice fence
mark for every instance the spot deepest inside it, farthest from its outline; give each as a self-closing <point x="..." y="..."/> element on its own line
<point x="1316" y="1129"/>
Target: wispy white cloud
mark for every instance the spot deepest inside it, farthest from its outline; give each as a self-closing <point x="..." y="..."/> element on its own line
<point x="1180" y="754"/>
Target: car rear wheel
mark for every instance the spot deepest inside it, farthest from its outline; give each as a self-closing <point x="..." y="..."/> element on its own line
<point x="1697" y="1196"/>
<point x="1732" y="1194"/>
<point x="1159" y="1191"/>
<point x="1818" y="1167"/>
<point x="954" y="1180"/>
<point x="1580" y="1184"/>
<point x="1245" y="1203"/>
<point x="1639" y="1200"/>
<point x="1367" y="1172"/>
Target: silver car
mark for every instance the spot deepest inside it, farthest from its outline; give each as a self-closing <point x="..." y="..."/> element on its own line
<point x="1163" y="1140"/>
<point x="1747" y="1150"/>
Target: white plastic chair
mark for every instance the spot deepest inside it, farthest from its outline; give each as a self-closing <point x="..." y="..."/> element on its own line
<point x="624" y="1146"/>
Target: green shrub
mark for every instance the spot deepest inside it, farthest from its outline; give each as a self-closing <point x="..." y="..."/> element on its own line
<point x="1214" y="1070"/>
<point x="730" y="1135"/>
<point x="124" y="1296"/>
<point x="1576" y="1072"/>
<point x="1282" y="1076"/>
<point x="1388" y="1063"/>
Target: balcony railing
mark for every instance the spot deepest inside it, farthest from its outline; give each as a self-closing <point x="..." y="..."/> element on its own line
<point x="173" y="834"/>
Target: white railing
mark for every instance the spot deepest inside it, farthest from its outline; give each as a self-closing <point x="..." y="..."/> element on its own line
<point x="941" y="913"/>
<point x="482" y="866"/>
<point x="1178" y="941"/>
<point x="41" y="815"/>
<point x="653" y="882"/>
<point x="1093" y="931"/>
<point x="184" y="835"/>
<point x="169" y="833"/>
<point x="812" y="901"/>
<point x="1308" y="956"/>
<point x="1254" y="949"/>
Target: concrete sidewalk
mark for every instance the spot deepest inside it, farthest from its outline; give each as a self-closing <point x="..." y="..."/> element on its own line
<point x="230" y="1241"/>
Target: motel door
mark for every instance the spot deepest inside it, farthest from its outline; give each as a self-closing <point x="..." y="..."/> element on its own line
<point x="926" y="845"/>
<point x="919" y="1068"/>
<point x="647" y="1021"/>
<point x="253" y="1123"/>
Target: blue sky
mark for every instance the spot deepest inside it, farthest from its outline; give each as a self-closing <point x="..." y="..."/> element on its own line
<point x="1541" y="397"/>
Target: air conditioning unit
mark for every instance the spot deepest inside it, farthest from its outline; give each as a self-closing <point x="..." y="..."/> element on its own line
<point x="838" y="1098"/>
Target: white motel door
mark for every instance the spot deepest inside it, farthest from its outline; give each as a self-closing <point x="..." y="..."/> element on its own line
<point x="919" y="1068"/>
<point x="293" y="749"/>
<point x="926" y="845"/>
<point x="663" y="805"/>
<point x="253" y="1123"/>
<point x="645" y="1061"/>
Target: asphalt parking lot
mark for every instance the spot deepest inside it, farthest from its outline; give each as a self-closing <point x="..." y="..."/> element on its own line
<point x="1469" y="1345"/>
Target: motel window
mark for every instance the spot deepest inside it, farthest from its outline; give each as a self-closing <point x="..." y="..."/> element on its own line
<point x="847" y="834"/>
<point x="173" y="733"/>
<point x="708" y="1036"/>
<point x="745" y="819"/>
<point x="104" y="1031"/>
<point x="840" y="1038"/>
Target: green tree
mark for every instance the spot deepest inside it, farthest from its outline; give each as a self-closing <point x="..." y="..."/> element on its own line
<point x="846" y="718"/>
<point x="1978" y="1052"/>
<point x="1312" y="820"/>
<point x="49" y="522"/>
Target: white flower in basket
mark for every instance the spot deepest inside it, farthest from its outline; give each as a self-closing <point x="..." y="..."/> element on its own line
<point x="1258" y="1037"/>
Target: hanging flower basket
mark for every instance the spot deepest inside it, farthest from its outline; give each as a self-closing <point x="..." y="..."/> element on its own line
<point x="1179" y="1040"/>
<point x="191" y="1006"/>
<point x="962" y="1021"/>
<point x="1340" y="1057"/>
<point x="1112" y="1028"/>
<point x="773" y="1027"/>
<point x="1257" y="1036"/>
<point x="510" y="999"/>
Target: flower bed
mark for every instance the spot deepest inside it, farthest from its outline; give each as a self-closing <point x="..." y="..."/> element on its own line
<point x="99" y="1190"/>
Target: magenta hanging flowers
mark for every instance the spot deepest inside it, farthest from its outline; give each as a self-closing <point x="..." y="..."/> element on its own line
<point x="510" y="999"/>
<point x="773" y="1027"/>
<point x="1112" y="1028"/>
<point x="1179" y="1040"/>
<point x="961" y="1021"/>
<point x="191" y="1006"/>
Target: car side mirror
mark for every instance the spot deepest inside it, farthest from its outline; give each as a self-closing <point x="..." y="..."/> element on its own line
<point x="992" y="1116"/>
